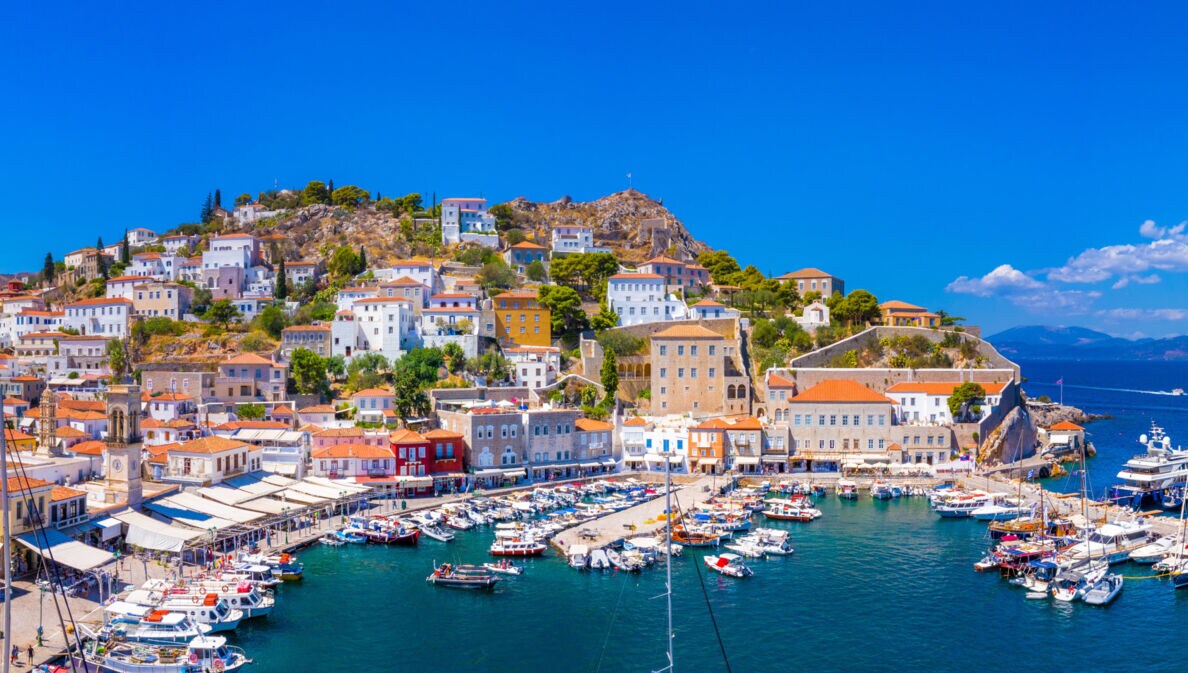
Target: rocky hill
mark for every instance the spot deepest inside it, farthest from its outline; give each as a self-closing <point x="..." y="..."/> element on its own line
<point x="314" y="232"/>
<point x="632" y="224"/>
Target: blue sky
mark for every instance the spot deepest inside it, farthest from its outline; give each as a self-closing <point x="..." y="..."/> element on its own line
<point x="997" y="162"/>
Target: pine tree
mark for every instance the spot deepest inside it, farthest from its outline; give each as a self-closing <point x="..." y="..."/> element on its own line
<point x="218" y="201"/>
<point x="125" y="253"/>
<point x="282" y="281"/>
<point x="207" y="209"/>
<point x="49" y="270"/>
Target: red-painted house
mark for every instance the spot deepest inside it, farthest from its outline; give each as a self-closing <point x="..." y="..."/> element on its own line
<point x="434" y="459"/>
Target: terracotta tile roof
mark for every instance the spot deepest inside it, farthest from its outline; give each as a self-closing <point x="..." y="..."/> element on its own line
<point x="809" y="272"/>
<point x="517" y="294"/>
<point x="16" y="435"/>
<point x="532" y="349"/>
<point x="841" y="391"/>
<point x="373" y="392"/>
<point x="527" y="245"/>
<point x="663" y="259"/>
<point x="318" y="409"/>
<point x="253" y="425"/>
<point x="248" y="359"/>
<point x="84" y="405"/>
<point x="453" y="295"/>
<point x="708" y="302"/>
<point x="382" y="300"/>
<point x="1066" y="425"/>
<point x="711" y="424"/>
<point x="687" y="332"/>
<point x="442" y="434"/>
<point x="636" y="276"/>
<point x="493" y="410"/>
<point x="896" y="305"/>
<point x="25" y="484"/>
<point x="352" y="431"/>
<point x="592" y="425"/>
<point x="237" y="235"/>
<point x="282" y="410"/>
<point x="411" y="262"/>
<point x="210" y="445"/>
<point x="776" y="381"/>
<point x="127" y="279"/>
<point x="635" y="422"/>
<point x="943" y="388"/>
<point x="81" y="415"/>
<point x="44" y="335"/>
<point x="146" y="396"/>
<point x="406" y="436"/>
<point x="401" y="282"/>
<point x="60" y="493"/>
<point x="69" y="432"/>
<point x="25" y="379"/>
<point x="92" y="447"/>
<point x="352" y="451"/>
<point x="745" y="423"/>
<point x="306" y="328"/>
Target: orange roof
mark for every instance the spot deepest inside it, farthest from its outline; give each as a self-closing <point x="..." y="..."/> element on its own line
<point x="746" y="423"/>
<point x="453" y="295"/>
<point x="708" y="302"/>
<point x="592" y="425"/>
<point x="25" y="484"/>
<point x="146" y="396"/>
<point x="406" y="436"/>
<point x="662" y="259"/>
<point x="372" y="392"/>
<point x="442" y="434"/>
<point x="69" y="432"/>
<point x="125" y="279"/>
<point x="352" y="431"/>
<point x="809" y="272"/>
<point x="85" y="405"/>
<point x="710" y="424"/>
<point x="43" y="335"/>
<point x="318" y="409"/>
<point x="1066" y="425"/>
<point x="945" y="388"/>
<point x="352" y="451"/>
<point x="897" y="305"/>
<point x="14" y="401"/>
<point x="16" y="435"/>
<point x="210" y="445"/>
<point x="63" y="493"/>
<point x="635" y="422"/>
<point x="776" y="381"/>
<point x="92" y="447"/>
<point x="687" y="332"/>
<point x="248" y="359"/>
<point x="527" y="245"/>
<point x="636" y="276"/>
<point x="237" y="235"/>
<point x="25" y="379"/>
<point x="517" y="294"/>
<point x="382" y="300"/>
<point x="412" y="262"/>
<point x="253" y="425"/>
<point x="282" y="410"/>
<point x="401" y="281"/>
<point x="306" y="328"/>
<point x="81" y="415"/>
<point x="841" y="390"/>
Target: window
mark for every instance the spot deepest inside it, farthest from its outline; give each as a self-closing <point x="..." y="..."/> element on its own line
<point x="693" y="372"/>
<point x="845" y="420"/>
<point x="833" y="420"/>
<point x="663" y="351"/>
<point x="711" y="350"/>
<point x="711" y="372"/>
<point x="821" y="419"/>
<point x="693" y="351"/>
<point x="680" y="372"/>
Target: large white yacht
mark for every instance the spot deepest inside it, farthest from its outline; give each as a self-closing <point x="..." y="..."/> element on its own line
<point x="1146" y="476"/>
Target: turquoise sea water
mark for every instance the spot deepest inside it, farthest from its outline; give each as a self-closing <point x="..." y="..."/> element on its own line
<point x="873" y="586"/>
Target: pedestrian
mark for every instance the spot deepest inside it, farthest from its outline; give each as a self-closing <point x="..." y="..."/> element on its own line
<point x="30" y="654"/>
<point x="12" y="659"/>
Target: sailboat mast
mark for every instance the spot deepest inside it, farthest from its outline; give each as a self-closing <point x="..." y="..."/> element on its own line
<point x="668" y="556"/>
<point x="7" y="545"/>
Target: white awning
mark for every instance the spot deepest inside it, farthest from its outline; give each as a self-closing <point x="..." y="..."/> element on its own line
<point x="255" y="483"/>
<point x="708" y="461"/>
<point x="489" y="473"/>
<point x="148" y="533"/>
<point x="633" y="459"/>
<point x="111" y="528"/>
<point x="320" y="491"/>
<point x="746" y="460"/>
<point x="303" y="498"/>
<point x="774" y="459"/>
<point x="409" y="481"/>
<point x="338" y="484"/>
<point x="271" y="505"/>
<point x="189" y="517"/>
<point x="211" y="507"/>
<point x="609" y="462"/>
<point x="518" y="472"/>
<point x="54" y="546"/>
<point x="589" y="465"/>
<point x="226" y="494"/>
<point x="286" y="469"/>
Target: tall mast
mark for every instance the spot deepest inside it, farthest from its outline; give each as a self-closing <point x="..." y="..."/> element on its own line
<point x="7" y="545"/>
<point x="668" y="556"/>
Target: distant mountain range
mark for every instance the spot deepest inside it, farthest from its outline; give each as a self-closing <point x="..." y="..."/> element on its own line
<point x="1046" y="342"/>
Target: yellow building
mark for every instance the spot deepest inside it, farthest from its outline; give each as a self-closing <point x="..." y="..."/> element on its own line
<point x="19" y="441"/>
<point x="521" y="320"/>
<point x="902" y="314"/>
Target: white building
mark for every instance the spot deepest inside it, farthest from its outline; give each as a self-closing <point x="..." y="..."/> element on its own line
<point x="102" y="316"/>
<point x="125" y="286"/>
<point x="141" y="236"/>
<point x="420" y="270"/>
<point x="641" y="298"/>
<point x="708" y="309"/>
<point x="176" y="242"/>
<point x="468" y="220"/>
<point x="386" y="325"/>
<point x="250" y="213"/>
<point x="347" y="296"/>
<point x="928" y="403"/>
<point x="645" y="442"/>
<point x="233" y="250"/>
<point x="535" y="366"/>
<point x="574" y="239"/>
<point x="815" y="315"/>
<point x="159" y="266"/>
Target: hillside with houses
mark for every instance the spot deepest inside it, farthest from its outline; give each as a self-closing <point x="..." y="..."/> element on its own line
<point x="410" y="349"/>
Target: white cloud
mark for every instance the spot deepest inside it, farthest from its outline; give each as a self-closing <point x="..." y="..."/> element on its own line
<point x="1171" y="314"/>
<point x="1149" y="229"/>
<point x="1168" y="252"/>
<point x="1140" y="280"/>
<point x="1003" y="279"/>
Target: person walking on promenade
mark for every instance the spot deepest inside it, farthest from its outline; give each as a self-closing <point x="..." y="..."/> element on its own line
<point x="16" y="651"/>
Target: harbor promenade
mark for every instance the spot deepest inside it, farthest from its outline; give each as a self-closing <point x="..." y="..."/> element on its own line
<point x="632" y="521"/>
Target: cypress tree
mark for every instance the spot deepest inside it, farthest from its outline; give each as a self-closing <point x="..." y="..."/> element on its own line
<point x="330" y="189"/>
<point x="362" y="259"/>
<point x="282" y="282"/>
<point x="99" y="244"/>
<point x="125" y="253"/>
<point x="207" y="209"/>
<point x="218" y="200"/>
<point x="609" y="375"/>
<point x="48" y="270"/>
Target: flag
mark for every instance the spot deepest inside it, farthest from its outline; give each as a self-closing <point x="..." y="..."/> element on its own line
<point x="1060" y="381"/>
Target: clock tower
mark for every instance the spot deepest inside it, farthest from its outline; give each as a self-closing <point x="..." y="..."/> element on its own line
<point x="121" y="461"/>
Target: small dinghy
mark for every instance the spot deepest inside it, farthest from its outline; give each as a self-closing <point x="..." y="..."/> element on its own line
<point x="1103" y="591"/>
<point x="461" y="577"/>
<point x="730" y="565"/>
<point x="439" y="534"/>
<point x="504" y="568"/>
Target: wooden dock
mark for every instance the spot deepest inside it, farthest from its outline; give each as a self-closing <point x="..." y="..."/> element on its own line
<point x="632" y="522"/>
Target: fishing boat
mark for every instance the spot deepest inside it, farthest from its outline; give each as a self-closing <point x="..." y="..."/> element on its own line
<point x="284" y="566"/>
<point x="1145" y="477"/>
<point x="847" y="489"/>
<point x="579" y="556"/>
<point x="963" y="507"/>
<point x="730" y="565"/>
<point x="881" y="491"/>
<point x="239" y="595"/>
<point x="517" y="547"/>
<point x="331" y="540"/>
<point x="688" y="537"/>
<point x="208" y="609"/>
<point x="204" y="653"/>
<point x="349" y="536"/>
<point x="790" y="510"/>
<point x="1103" y="591"/>
<point x="504" y="567"/>
<point x="138" y="623"/>
<point x="468" y="577"/>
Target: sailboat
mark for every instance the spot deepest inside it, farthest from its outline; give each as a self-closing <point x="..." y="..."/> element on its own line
<point x="668" y="561"/>
<point x="1088" y="580"/>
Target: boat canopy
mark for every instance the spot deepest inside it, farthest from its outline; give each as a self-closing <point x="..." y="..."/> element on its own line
<point x="53" y="545"/>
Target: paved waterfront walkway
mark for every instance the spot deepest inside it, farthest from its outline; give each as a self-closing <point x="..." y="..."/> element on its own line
<point x="601" y="532"/>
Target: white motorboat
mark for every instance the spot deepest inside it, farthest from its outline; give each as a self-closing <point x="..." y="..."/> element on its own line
<point x="437" y="533"/>
<point x="730" y="565"/>
<point x="579" y="556"/>
<point x="241" y="595"/>
<point x="138" y="623"/>
<point x="1152" y="552"/>
<point x="517" y="547"/>
<point x="1070" y="584"/>
<point x="747" y="548"/>
<point x="963" y="507"/>
<point x="1111" y="541"/>
<point x="1145" y="477"/>
<point x="205" y="653"/>
<point x="331" y="540"/>
<point x="993" y="512"/>
<point x="599" y="560"/>
<point x="504" y="567"/>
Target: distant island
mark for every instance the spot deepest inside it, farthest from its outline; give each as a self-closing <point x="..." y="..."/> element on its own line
<point x="1047" y="342"/>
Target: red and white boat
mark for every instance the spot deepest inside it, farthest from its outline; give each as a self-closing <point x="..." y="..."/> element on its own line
<point x="517" y="547"/>
<point x="790" y="510"/>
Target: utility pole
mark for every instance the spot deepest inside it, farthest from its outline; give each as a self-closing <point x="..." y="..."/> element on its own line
<point x="7" y="546"/>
